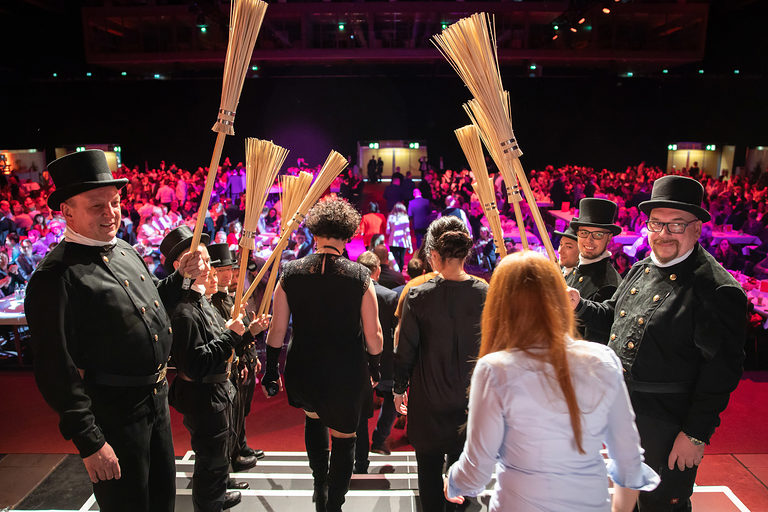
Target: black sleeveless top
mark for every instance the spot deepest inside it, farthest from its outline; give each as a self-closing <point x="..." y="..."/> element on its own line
<point x="326" y="368"/>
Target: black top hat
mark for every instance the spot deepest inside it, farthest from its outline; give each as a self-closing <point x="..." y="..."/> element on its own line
<point x="596" y="213"/>
<point x="177" y="241"/>
<point x="220" y="255"/>
<point x="235" y="260"/>
<point x="78" y="172"/>
<point x="678" y="193"/>
<point x="568" y="233"/>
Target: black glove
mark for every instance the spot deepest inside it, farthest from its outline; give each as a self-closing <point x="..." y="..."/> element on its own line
<point x="272" y="371"/>
<point x="374" y="366"/>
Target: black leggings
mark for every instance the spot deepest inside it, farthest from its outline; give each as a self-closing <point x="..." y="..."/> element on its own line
<point x="431" y="469"/>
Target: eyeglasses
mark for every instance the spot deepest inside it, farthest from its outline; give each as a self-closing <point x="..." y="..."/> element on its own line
<point x="596" y="235"/>
<point x="675" y="228"/>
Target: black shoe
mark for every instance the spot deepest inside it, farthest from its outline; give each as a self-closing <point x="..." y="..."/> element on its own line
<point x="251" y="452"/>
<point x="233" y="484"/>
<point x="231" y="499"/>
<point x="381" y="449"/>
<point x="241" y="463"/>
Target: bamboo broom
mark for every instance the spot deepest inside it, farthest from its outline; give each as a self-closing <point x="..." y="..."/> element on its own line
<point x="263" y="160"/>
<point x="245" y="17"/>
<point x="487" y="133"/>
<point x="469" y="140"/>
<point x="469" y="45"/>
<point x="334" y="164"/>
<point x="294" y="189"/>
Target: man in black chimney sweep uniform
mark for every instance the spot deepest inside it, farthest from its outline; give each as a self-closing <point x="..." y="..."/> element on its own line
<point x="248" y="365"/>
<point x="594" y="276"/>
<point x="677" y="323"/>
<point x="203" y="349"/>
<point x="101" y="338"/>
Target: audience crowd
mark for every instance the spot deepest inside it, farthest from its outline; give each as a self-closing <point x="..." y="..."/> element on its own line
<point x="159" y="199"/>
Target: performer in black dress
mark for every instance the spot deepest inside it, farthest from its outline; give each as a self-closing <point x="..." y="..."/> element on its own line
<point x="438" y="343"/>
<point x="327" y="371"/>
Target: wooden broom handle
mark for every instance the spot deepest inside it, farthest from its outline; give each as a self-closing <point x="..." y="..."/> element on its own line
<point x="278" y="250"/>
<point x="519" y="219"/>
<point x="244" y="258"/>
<point x="266" y="301"/>
<point x="532" y="205"/>
<point x="205" y="200"/>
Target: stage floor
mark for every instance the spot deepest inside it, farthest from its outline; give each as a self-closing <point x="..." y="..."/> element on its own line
<point x="282" y="481"/>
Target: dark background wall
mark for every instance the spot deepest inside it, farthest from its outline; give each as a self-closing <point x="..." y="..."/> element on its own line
<point x="598" y="121"/>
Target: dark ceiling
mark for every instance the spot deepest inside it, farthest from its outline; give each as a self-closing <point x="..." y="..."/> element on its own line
<point x="134" y="39"/>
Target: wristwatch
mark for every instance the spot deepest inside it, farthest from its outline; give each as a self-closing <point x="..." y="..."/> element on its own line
<point x="696" y="442"/>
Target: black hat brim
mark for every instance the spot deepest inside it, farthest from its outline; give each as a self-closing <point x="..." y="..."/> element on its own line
<point x="58" y="196"/>
<point x="567" y="235"/>
<point x="182" y="246"/>
<point x="700" y="213"/>
<point x="613" y="228"/>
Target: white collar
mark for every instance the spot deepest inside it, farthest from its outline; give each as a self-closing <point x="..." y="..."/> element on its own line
<point x="222" y="289"/>
<point x="670" y="263"/>
<point x="587" y="261"/>
<point x="70" y="235"/>
<point x="567" y="270"/>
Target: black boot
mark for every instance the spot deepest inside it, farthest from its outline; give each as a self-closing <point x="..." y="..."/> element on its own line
<point x="316" y="441"/>
<point x="340" y="471"/>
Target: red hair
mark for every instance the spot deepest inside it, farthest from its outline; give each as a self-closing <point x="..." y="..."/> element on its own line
<point x="527" y="309"/>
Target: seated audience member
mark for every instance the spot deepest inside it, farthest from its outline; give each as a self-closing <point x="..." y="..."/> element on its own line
<point x="725" y="254"/>
<point x="269" y="221"/>
<point x="534" y="385"/>
<point x="622" y="263"/>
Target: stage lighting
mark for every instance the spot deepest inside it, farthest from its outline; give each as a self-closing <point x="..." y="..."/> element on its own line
<point x="254" y="68"/>
<point x="55" y="75"/>
<point x="89" y="74"/>
<point x="606" y="10"/>
<point x="123" y="73"/>
<point x="582" y="20"/>
<point x="665" y="71"/>
<point x="701" y="71"/>
<point x="341" y="27"/>
<point x="736" y="71"/>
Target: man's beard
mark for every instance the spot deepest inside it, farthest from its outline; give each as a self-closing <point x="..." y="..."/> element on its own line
<point x="666" y="259"/>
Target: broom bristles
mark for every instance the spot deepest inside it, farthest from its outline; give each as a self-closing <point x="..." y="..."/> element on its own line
<point x="334" y="164"/>
<point x="469" y="140"/>
<point x="263" y="160"/>
<point x="245" y="18"/>
<point x="470" y="46"/>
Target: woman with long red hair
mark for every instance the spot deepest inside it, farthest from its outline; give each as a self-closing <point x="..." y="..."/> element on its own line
<point x="542" y="404"/>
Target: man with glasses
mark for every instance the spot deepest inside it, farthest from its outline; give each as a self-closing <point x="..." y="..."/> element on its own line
<point x="568" y="251"/>
<point x="594" y="277"/>
<point x="677" y="323"/>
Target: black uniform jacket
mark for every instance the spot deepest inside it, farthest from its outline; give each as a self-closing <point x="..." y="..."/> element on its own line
<point x="201" y="349"/>
<point x="223" y="304"/>
<point x="98" y="310"/>
<point x="596" y="282"/>
<point x="387" y="300"/>
<point x="679" y="332"/>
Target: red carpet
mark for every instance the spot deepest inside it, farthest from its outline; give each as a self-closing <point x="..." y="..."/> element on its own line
<point x="29" y="426"/>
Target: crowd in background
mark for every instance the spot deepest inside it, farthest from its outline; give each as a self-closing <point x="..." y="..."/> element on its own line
<point x="157" y="200"/>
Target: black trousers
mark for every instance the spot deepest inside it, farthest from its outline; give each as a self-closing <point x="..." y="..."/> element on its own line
<point x="431" y="469"/>
<point x="209" y="423"/>
<point x="144" y="447"/>
<point x="674" y="492"/>
<point x="242" y="406"/>
<point x="399" y="254"/>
